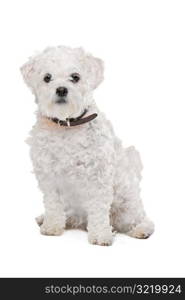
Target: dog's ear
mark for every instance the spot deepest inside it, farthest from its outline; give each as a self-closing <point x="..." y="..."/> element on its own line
<point x="27" y="71"/>
<point x="95" y="70"/>
<point x="93" y="66"/>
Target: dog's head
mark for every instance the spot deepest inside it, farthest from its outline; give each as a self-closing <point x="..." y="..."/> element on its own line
<point x="62" y="80"/>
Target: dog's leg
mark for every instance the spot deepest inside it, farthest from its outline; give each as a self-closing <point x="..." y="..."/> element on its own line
<point x="54" y="217"/>
<point x="130" y="218"/>
<point x="40" y="220"/>
<point x="127" y="212"/>
<point x="99" y="228"/>
<point x="142" y="230"/>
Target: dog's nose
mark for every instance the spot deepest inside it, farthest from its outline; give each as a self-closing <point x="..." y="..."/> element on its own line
<point x="62" y="91"/>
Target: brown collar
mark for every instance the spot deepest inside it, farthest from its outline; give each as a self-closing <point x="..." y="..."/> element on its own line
<point x="75" y="121"/>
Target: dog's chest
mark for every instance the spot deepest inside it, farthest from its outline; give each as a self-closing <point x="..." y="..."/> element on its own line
<point x="70" y="149"/>
<point x="71" y="152"/>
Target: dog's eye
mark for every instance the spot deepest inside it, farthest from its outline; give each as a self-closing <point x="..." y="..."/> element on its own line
<point x="75" y="77"/>
<point x="47" y="77"/>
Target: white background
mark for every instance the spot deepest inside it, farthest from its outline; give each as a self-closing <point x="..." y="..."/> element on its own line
<point x="143" y="46"/>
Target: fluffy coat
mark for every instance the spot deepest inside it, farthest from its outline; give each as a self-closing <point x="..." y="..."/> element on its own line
<point x="88" y="179"/>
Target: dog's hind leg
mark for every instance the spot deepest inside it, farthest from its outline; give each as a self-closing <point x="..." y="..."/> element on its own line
<point x="40" y="219"/>
<point x="127" y="212"/>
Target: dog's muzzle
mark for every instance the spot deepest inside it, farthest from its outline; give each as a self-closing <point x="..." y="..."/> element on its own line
<point x="61" y="92"/>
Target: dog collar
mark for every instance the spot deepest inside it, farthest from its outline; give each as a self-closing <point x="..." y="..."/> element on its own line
<point x="75" y="121"/>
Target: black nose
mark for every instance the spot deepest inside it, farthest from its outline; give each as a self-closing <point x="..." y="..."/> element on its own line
<point x="62" y="91"/>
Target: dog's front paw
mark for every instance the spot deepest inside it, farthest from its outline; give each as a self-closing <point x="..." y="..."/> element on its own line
<point x="51" y="229"/>
<point x="101" y="239"/>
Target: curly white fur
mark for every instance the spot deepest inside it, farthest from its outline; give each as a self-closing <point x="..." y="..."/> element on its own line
<point x="88" y="179"/>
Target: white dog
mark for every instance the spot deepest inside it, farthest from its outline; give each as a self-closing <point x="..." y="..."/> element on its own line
<point x="88" y="179"/>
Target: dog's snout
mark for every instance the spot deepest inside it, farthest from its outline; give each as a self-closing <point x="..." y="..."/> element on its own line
<point x="62" y="91"/>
